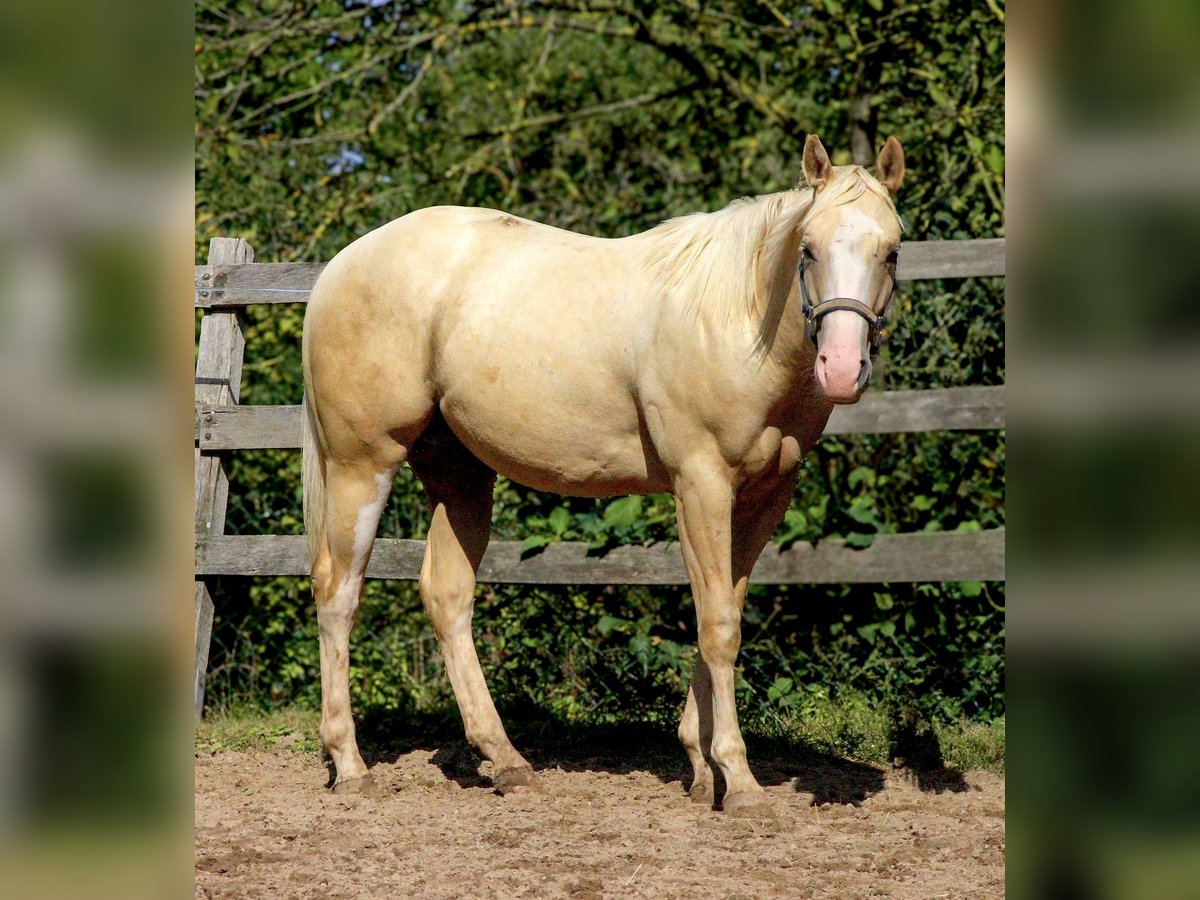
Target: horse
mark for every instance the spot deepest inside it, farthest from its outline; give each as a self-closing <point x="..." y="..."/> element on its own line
<point x="701" y="357"/>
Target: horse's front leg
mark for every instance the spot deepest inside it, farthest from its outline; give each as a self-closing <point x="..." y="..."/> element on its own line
<point x="757" y="512"/>
<point x="704" y="503"/>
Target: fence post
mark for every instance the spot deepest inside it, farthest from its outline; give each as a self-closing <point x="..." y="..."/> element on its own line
<point x="218" y="383"/>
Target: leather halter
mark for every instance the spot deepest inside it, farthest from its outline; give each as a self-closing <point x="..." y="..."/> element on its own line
<point x="876" y="322"/>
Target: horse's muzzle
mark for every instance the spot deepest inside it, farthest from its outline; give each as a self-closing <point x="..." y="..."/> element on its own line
<point x="842" y="376"/>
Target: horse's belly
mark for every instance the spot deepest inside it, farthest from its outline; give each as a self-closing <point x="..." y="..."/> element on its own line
<point x="557" y="447"/>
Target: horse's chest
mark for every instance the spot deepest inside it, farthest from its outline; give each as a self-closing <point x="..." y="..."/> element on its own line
<point x="780" y="445"/>
<point x="773" y="453"/>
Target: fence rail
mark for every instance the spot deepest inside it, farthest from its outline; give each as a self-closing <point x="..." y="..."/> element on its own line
<point x="890" y="412"/>
<point x="242" y="284"/>
<point x="917" y="556"/>
<point x="232" y="280"/>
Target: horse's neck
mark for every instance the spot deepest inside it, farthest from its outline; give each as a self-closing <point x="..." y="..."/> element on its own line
<point x="775" y="314"/>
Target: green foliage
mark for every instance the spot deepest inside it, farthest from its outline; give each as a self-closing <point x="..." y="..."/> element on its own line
<point x="320" y="120"/>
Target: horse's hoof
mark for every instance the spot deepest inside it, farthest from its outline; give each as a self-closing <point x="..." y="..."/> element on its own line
<point x="748" y="805"/>
<point x="702" y="793"/>
<point x="366" y="785"/>
<point x="520" y="778"/>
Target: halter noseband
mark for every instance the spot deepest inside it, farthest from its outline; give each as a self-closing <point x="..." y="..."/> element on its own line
<point x="813" y="314"/>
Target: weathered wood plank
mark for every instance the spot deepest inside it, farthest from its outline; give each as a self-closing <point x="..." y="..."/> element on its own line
<point x="248" y="427"/>
<point x="204" y="623"/>
<point x="239" y="285"/>
<point x="224" y="285"/>
<point x="890" y="412"/>
<point x="975" y="408"/>
<point x="921" y="260"/>
<point x="218" y="382"/>
<point x="920" y="556"/>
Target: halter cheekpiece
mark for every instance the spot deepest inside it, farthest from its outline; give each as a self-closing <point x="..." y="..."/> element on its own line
<point x="876" y="322"/>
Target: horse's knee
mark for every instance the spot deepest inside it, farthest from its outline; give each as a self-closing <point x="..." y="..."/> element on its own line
<point x="720" y="636"/>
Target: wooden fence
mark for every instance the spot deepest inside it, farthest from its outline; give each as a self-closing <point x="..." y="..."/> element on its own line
<point x="232" y="280"/>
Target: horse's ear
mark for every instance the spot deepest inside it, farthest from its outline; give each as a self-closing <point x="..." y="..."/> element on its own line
<point x="889" y="167"/>
<point x="817" y="167"/>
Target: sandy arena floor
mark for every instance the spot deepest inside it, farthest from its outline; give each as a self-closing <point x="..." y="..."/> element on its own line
<point x="266" y="826"/>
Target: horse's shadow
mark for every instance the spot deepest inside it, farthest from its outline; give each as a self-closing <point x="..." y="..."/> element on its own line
<point x="626" y="749"/>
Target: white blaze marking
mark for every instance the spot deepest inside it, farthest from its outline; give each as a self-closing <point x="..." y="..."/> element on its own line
<point x="850" y="276"/>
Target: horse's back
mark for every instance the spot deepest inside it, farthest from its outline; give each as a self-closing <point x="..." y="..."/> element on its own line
<point x="431" y="255"/>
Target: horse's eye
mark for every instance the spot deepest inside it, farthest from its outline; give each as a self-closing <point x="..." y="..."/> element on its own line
<point x="892" y="257"/>
<point x="808" y="254"/>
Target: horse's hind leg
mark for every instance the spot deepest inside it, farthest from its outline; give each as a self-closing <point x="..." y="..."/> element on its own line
<point x="460" y="492"/>
<point x="355" y="497"/>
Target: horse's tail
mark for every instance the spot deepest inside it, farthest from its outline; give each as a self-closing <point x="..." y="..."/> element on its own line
<point x="313" y="468"/>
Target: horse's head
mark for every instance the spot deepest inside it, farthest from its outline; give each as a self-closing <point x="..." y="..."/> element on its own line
<point x="850" y="239"/>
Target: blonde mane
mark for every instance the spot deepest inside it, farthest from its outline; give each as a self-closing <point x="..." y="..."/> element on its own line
<point x="740" y="262"/>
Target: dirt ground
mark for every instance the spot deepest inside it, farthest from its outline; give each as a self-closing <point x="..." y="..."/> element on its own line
<point x="266" y="826"/>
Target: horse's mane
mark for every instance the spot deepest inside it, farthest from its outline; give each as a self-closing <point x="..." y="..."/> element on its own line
<point x="740" y="262"/>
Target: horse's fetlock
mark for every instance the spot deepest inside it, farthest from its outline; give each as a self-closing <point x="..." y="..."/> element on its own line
<point x="729" y="751"/>
<point x="335" y="735"/>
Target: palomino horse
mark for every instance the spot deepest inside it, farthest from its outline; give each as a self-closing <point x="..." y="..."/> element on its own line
<point x="688" y="358"/>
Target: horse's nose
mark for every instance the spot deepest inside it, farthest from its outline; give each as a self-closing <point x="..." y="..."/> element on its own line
<point x="842" y="376"/>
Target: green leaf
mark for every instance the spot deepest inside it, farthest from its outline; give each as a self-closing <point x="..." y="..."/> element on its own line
<point x="795" y="523"/>
<point x="862" y="509"/>
<point x="995" y="159"/>
<point x="608" y="624"/>
<point x="532" y="543"/>
<point x="623" y="513"/>
<point x="859" y="540"/>
<point x="970" y="588"/>
<point x="922" y="502"/>
<point x="862" y="475"/>
<point x="559" y="519"/>
<point x="781" y="689"/>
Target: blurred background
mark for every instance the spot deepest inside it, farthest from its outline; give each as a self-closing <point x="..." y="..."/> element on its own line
<point x="314" y="122"/>
<point x="1103" y="122"/>
<point x="95" y="208"/>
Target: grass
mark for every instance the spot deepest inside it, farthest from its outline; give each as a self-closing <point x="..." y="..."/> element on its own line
<point x="854" y="731"/>
<point x="287" y="730"/>
<point x="879" y="736"/>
